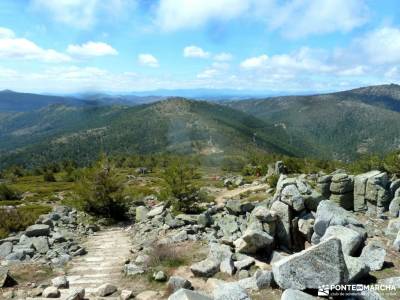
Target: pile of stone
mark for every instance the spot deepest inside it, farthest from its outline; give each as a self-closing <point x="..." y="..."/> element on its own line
<point x="53" y="239"/>
<point x="341" y="188"/>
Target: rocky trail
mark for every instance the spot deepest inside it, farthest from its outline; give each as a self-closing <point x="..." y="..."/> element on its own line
<point x="107" y="251"/>
<point x="229" y="194"/>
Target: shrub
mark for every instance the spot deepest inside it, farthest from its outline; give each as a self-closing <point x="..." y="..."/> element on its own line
<point x="49" y="177"/>
<point x="392" y="163"/>
<point x="17" y="219"/>
<point x="101" y="192"/>
<point x="180" y="186"/>
<point x="273" y="180"/>
<point x="7" y="193"/>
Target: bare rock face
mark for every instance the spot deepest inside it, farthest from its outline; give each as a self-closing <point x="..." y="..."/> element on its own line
<point x="318" y="265"/>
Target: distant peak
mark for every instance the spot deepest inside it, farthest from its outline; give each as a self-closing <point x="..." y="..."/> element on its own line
<point x="8" y="91"/>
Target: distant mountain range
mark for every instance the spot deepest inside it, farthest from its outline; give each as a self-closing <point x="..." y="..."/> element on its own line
<point x="343" y="125"/>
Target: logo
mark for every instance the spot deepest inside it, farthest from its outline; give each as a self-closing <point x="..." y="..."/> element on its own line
<point x="323" y="290"/>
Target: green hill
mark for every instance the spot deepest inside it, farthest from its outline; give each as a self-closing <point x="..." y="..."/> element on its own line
<point x="61" y="132"/>
<point x="340" y="125"/>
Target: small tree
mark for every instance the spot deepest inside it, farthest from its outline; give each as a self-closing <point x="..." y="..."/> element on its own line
<point x="101" y="191"/>
<point x="185" y="194"/>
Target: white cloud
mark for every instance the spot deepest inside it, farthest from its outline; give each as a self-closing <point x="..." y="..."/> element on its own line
<point x="207" y="73"/>
<point x="91" y="49"/>
<point x="82" y="14"/>
<point x="294" y="18"/>
<point x="194" y="51"/>
<point x="254" y="62"/>
<point x="6" y="33"/>
<point x="353" y="71"/>
<point x="310" y="17"/>
<point x="148" y="60"/>
<point x="223" y="56"/>
<point x="178" y="14"/>
<point x="20" y="48"/>
<point x="381" y="46"/>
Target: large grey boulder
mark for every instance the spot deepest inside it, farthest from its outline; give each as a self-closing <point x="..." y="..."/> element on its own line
<point x="157" y="210"/>
<point x="373" y="256"/>
<point x="51" y="292"/>
<point x="5" y="249"/>
<point x="291" y="294"/>
<point x="342" y="184"/>
<point x="41" y="244"/>
<point x="184" y="294"/>
<point x="227" y="266"/>
<point x="219" y="252"/>
<point x="356" y="267"/>
<point x="141" y="213"/>
<point x="394" y="207"/>
<point x="5" y="278"/>
<point x="106" y="289"/>
<point x="205" y="268"/>
<point x="351" y="239"/>
<point x="291" y="196"/>
<point x="254" y="241"/>
<point x="396" y="242"/>
<point x="394" y="281"/>
<point x="230" y="291"/>
<point x="60" y="282"/>
<point x="318" y="265"/>
<point x="393" y="226"/>
<point x="329" y="214"/>
<point x="37" y="230"/>
<point x="175" y="283"/>
<point x="76" y="294"/>
<point x="238" y="207"/>
<point x="283" y="224"/>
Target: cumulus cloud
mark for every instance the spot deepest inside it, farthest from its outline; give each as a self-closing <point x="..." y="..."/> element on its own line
<point x="21" y="48"/>
<point x="148" y="60"/>
<point x="194" y="51"/>
<point x="6" y="33"/>
<point x="254" y="62"/>
<point x="91" y="49"/>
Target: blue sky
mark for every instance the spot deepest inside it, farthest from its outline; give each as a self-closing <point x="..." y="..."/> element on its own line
<point x="117" y="46"/>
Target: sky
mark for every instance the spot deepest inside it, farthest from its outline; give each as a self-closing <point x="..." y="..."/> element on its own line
<point x="122" y="46"/>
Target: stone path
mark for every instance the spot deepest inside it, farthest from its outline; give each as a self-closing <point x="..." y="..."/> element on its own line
<point x="106" y="254"/>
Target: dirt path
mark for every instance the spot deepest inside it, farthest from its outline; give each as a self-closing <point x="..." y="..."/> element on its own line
<point x="227" y="194"/>
<point x="106" y="254"/>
